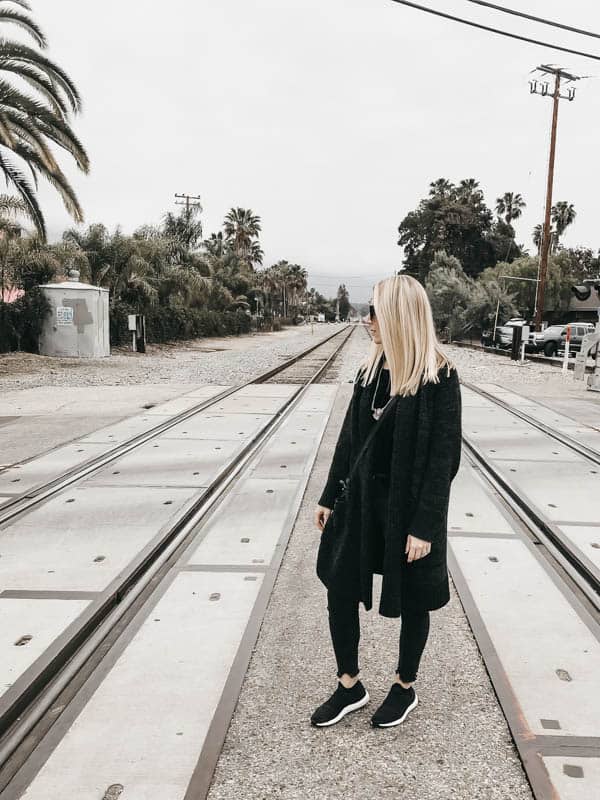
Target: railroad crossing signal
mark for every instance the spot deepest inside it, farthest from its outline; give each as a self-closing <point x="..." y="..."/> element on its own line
<point x="583" y="291"/>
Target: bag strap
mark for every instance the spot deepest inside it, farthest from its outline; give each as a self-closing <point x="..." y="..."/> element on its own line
<point x="371" y="435"/>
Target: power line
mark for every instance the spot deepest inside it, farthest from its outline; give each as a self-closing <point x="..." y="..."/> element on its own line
<point x="535" y="19"/>
<point x="495" y="30"/>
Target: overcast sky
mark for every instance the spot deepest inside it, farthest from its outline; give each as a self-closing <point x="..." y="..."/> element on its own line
<point x="329" y="118"/>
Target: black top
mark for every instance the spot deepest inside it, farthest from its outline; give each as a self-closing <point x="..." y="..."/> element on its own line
<point x="377" y="394"/>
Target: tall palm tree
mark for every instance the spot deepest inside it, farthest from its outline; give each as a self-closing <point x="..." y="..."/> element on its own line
<point x="242" y="227"/>
<point x="563" y="215"/>
<point x="31" y="122"/>
<point x="297" y="282"/>
<point x="510" y="206"/>
<point x="441" y="187"/>
<point x="468" y="189"/>
<point x="268" y="281"/>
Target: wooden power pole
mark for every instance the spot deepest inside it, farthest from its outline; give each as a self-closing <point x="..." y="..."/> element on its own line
<point x="542" y="88"/>
<point x="187" y="202"/>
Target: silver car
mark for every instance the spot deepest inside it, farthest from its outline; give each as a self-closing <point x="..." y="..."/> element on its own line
<point x="553" y="339"/>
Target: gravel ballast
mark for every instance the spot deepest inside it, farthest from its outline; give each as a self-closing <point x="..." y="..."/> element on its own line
<point x="227" y="360"/>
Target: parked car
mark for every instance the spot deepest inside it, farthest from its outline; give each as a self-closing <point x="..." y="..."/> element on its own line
<point x="504" y="333"/>
<point x="551" y="340"/>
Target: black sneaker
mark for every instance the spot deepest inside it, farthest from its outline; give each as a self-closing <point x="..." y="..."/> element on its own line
<point x="396" y="707"/>
<point x="341" y="702"/>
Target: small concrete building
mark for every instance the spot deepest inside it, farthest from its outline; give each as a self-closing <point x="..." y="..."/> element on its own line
<point x="78" y="323"/>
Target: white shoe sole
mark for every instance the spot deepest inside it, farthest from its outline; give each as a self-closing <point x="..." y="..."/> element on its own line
<point x="346" y="710"/>
<point x="413" y="705"/>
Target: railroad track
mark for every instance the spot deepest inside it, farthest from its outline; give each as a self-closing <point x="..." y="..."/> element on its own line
<point x="28" y="709"/>
<point x="287" y="372"/>
<point x="527" y="583"/>
<point x="582" y="572"/>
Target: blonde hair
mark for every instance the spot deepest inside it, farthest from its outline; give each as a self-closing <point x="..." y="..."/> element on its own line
<point x="408" y="336"/>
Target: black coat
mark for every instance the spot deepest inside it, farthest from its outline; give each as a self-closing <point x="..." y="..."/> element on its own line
<point x="425" y="456"/>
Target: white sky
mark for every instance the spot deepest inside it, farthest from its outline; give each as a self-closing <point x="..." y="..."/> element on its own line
<point x="329" y="118"/>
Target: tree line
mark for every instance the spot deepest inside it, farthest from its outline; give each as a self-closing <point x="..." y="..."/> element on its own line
<point x="185" y="284"/>
<point x="466" y="254"/>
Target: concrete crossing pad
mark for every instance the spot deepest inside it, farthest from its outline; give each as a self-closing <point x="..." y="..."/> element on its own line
<point x="187" y="639"/>
<point x="162" y="691"/>
<point x="549" y="653"/>
<point x="82" y="539"/>
<point x="27" y="627"/>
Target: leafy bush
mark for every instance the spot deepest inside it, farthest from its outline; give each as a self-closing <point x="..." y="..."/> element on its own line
<point x="21" y="322"/>
<point x="165" y="323"/>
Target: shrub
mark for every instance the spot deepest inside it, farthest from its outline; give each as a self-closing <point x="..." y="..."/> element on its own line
<point x="166" y="323"/>
<point x="21" y="322"/>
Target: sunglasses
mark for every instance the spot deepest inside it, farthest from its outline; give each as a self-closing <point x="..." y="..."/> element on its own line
<point x="371" y="312"/>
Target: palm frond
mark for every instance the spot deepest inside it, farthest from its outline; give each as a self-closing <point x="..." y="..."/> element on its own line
<point x="39" y="81"/>
<point x="25" y="23"/>
<point x="6" y="137"/>
<point x="30" y="133"/>
<point x="11" y="205"/>
<point x="15" y="177"/>
<point x="62" y="134"/>
<point x="19" y="52"/>
<point x="55" y="177"/>
<point x="23" y="3"/>
<point x="49" y="124"/>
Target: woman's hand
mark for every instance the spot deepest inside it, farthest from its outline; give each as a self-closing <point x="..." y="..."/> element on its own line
<point x="321" y="516"/>
<point x="416" y="548"/>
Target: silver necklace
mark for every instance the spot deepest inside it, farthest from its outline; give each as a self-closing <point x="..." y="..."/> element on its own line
<point x="377" y="412"/>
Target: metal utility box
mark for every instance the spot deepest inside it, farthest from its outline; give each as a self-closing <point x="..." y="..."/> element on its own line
<point x="78" y="323"/>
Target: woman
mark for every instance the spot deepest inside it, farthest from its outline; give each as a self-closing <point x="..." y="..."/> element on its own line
<point x="385" y="504"/>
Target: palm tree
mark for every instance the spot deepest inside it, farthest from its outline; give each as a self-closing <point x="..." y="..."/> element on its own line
<point x="441" y="188"/>
<point x="241" y="228"/>
<point x="94" y="247"/>
<point x="510" y="206"/>
<point x="563" y="215"/>
<point x="255" y="254"/>
<point x="30" y="123"/>
<point x="468" y="189"/>
<point x="297" y="281"/>
<point x="269" y="283"/>
<point x="216" y="245"/>
<point x="185" y="227"/>
<point x="11" y="208"/>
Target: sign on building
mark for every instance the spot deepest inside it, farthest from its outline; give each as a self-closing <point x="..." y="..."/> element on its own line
<point x="64" y="315"/>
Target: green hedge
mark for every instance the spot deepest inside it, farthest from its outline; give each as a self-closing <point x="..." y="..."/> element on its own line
<point x="168" y="324"/>
<point x="21" y="322"/>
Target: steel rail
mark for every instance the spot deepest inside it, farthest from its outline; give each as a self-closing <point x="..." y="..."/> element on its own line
<point x="35" y="700"/>
<point x="581" y="571"/>
<point x="32" y="497"/>
<point x="581" y="449"/>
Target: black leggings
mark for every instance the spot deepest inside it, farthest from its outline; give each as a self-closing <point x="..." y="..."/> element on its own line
<point x="345" y="634"/>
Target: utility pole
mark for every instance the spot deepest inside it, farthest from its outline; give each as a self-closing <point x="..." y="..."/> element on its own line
<point x="542" y="88"/>
<point x="187" y="202"/>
